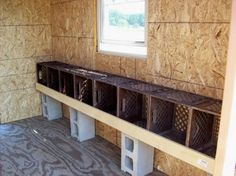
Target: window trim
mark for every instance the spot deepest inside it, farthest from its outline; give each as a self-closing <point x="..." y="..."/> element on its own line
<point x="100" y="22"/>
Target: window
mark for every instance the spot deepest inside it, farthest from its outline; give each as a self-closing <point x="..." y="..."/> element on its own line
<point x="122" y="27"/>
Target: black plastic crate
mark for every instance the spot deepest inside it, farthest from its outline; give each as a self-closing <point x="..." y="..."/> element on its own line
<point x="84" y="90"/>
<point x="133" y="107"/>
<point x="169" y="120"/>
<point x="105" y="97"/>
<point x="67" y="83"/>
<point x="204" y="132"/>
<point x="42" y="74"/>
<point x="53" y="79"/>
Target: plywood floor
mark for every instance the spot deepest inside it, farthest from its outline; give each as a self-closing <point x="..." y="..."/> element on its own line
<point x="37" y="147"/>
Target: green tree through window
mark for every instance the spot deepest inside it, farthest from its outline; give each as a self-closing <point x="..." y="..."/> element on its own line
<point x="118" y="19"/>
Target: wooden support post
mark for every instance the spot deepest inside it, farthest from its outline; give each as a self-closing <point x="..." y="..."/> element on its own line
<point x="226" y="151"/>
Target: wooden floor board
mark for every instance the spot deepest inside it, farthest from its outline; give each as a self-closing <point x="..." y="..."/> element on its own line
<point x="39" y="147"/>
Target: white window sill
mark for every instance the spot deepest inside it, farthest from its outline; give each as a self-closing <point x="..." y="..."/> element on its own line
<point x="123" y="50"/>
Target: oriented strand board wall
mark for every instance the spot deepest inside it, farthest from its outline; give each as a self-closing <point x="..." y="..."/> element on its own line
<point x="25" y="38"/>
<point x="187" y="48"/>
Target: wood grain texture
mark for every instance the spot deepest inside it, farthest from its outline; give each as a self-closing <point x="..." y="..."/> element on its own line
<point x="174" y="167"/>
<point x="110" y="64"/>
<point x="25" y="39"/>
<point x="128" y="67"/>
<point x="20" y="67"/>
<point x="17" y="66"/>
<point x="85" y="52"/>
<point x="32" y="41"/>
<point x="7" y="38"/>
<point x="67" y="21"/>
<point x="16" y="82"/>
<point x="156" y="62"/>
<point x="64" y="48"/>
<point x="88" y="18"/>
<point x="118" y="139"/>
<point x="106" y="132"/>
<point x="48" y="149"/>
<point x="141" y="69"/>
<point x="24" y="12"/>
<point x="197" y="53"/>
<point x="59" y="1"/>
<point x="73" y="50"/>
<point x="66" y="111"/>
<point x="189" y="11"/>
<point x="193" y="53"/>
<point x="19" y="104"/>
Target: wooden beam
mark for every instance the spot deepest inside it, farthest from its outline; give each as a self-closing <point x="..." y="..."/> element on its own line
<point x="226" y="151"/>
<point x="172" y="148"/>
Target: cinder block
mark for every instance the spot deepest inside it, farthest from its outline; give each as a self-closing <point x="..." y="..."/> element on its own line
<point x="52" y="109"/>
<point x="45" y="111"/>
<point x="74" y="130"/>
<point x="82" y="126"/>
<point x="136" y="156"/>
<point x="44" y="99"/>
<point x="73" y="115"/>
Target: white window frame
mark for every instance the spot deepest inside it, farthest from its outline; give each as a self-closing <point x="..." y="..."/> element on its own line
<point x="136" y="46"/>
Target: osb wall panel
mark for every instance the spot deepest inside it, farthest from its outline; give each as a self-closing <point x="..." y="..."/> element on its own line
<point x="73" y="35"/>
<point x="25" y="38"/>
<point x="205" y="44"/>
<point x="22" y="12"/>
<point x="173" y="167"/>
<point x="85" y="52"/>
<point x="7" y="38"/>
<point x="157" y="50"/>
<point x="64" y="48"/>
<point x="128" y="67"/>
<point x="59" y="1"/>
<point x="24" y="41"/>
<point x="19" y="104"/>
<point x="16" y="82"/>
<point x="32" y="41"/>
<point x="67" y="18"/>
<point x="106" y="132"/>
<point x="66" y="111"/>
<point x="187" y="48"/>
<point x="110" y="64"/>
<point x="73" y="50"/>
<point x="189" y="11"/>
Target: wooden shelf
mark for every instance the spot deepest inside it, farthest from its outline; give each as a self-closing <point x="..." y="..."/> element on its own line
<point x="168" y="146"/>
<point x="175" y="117"/>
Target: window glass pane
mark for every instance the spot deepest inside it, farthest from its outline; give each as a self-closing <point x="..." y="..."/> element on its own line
<point x="124" y="20"/>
